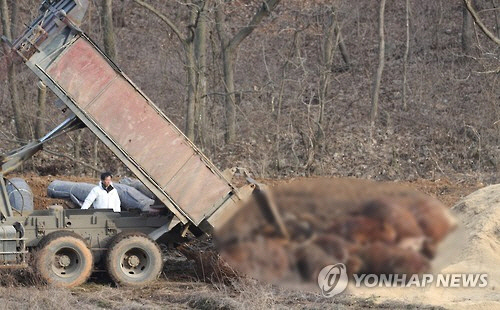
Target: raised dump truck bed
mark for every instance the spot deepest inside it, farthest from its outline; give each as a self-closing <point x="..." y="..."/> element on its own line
<point x="122" y="116"/>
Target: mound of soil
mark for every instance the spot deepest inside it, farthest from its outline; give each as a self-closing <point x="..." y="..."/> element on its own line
<point x="39" y="184"/>
<point x="475" y="246"/>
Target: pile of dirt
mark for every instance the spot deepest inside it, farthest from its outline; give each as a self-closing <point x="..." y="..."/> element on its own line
<point x="372" y="227"/>
<point x="475" y="246"/>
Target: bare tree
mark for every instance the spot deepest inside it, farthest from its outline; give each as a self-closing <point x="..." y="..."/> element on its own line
<point x="77" y="149"/>
<point x="14" y="4"/>
<point x="200" y="49"/>
<point x="342" y="47"/>
<point x="496" y="6"/>
<point x="40" y="114"/>
<point x="437" y="15"/>
<point x="19" y="119"/>
<point x="330" y="39"/>
<point x="380" y="69"/>
<point x="288" y="60"/>
<point x="194" y="45"/>
<point x="110" y="50"/>
<point x="188" y="44"/>
<point x="467" y="30"/>
<point x="407" y="52"/>
<point x="96" y="158"/>
<point x="108" y="29"/>
<point x="229" y="47"/>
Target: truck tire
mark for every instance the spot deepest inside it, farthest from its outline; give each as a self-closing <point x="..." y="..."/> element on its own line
<point x="133" y="259"/>
<point x="63" y="259"/>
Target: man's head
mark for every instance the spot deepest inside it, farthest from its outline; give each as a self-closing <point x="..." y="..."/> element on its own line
<point x="106" y="178"/>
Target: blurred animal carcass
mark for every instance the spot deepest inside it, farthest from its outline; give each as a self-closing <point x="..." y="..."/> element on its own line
<point x="371" y="227"/>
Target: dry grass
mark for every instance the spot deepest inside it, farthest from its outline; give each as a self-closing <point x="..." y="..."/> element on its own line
<point x="180" y="287"/>
<point x="209" y="266"/>
<point x="21" y="277"/>
<point x="244" y="294"/>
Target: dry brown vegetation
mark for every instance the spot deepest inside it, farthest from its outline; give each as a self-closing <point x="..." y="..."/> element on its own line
<point x="179" y="287"/>
<point x="181" y="295"/>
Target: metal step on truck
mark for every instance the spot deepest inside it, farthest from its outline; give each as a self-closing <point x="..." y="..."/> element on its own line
<point x="198" y="197"/>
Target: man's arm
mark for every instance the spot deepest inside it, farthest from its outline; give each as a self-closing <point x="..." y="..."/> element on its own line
<point x="90" y="199"/>
<point x="116" y="203"/>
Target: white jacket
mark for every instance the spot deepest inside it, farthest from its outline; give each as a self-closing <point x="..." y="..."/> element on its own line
<point x="101" y="199"/>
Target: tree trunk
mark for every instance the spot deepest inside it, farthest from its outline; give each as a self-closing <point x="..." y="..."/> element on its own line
<point x="437" y="15"/>
<point x="228" y="78"/>
<point x="467" y="30"/>
<point x="96" y="157"/>
<point x="342" y="47"/>
<point x="407" y="52"/>
<point x="21" y="128"/>
<point x="40" y="114"/>
<point x="329" y="40"/>
<point x="13" y="18"/>
<point x="228" y="63"/>
<point x="200" y="48"/>
<point x="108" y="31"/>
<point x="191" y="76"/>
<point x="380" y="69"/>
<point x="191" y="89"/>
<point x="496" y="6"/>
<point x="191" y="64"/>
<point x="77" y="148"/>
<point x="293" y="49"/>
<point x="121" y="18"/>
<point x="228" y="50"/>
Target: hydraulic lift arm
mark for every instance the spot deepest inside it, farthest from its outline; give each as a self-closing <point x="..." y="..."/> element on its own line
<point x="15" y="158"/>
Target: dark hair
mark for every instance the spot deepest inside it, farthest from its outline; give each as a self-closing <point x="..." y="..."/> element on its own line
<point x="105" y="175"/>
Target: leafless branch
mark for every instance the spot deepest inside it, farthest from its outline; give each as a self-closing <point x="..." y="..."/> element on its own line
<point x="479" y="22"/>
<point x="266" y="8"/>
<point x="164" y="18"/>
<point x="73" y="159"/>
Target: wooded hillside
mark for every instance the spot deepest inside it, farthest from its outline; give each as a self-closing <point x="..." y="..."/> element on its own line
<point x="289" y="88"/>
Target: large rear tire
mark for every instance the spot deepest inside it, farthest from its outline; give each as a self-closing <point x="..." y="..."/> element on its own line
<point x="133" y="259"/>
<point x="64" y="260"/>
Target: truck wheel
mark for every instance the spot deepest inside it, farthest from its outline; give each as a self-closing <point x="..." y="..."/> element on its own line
<point x="64" y="259"/>
<point x="133" y="259"/>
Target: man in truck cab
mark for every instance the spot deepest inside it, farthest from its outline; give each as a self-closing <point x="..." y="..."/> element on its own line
<point x="104" y="195"/>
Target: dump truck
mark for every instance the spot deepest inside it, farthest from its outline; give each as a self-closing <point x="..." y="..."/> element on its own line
<point x="96" y="94"/>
